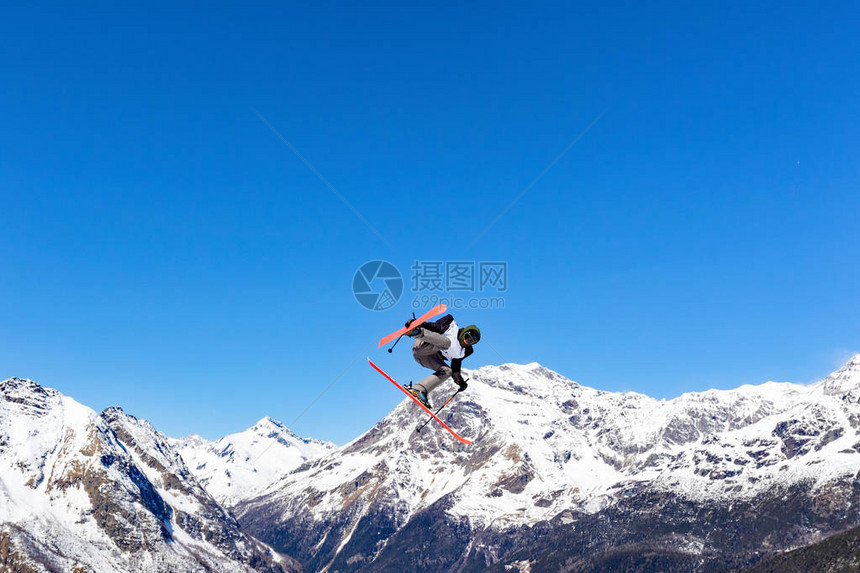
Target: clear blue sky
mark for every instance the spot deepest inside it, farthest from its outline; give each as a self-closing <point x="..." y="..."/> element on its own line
<point x="163" y="250"/>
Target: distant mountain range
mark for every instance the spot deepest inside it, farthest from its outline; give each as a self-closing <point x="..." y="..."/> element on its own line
<point x="239" y="466"/>
<point x="560" y="477"/>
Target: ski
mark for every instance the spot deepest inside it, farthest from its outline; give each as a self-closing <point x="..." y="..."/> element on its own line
<point x="414" y="399"/>
<point x="438" y="309"/>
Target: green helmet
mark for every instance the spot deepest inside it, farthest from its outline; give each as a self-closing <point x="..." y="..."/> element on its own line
<point x="469" y="335"/>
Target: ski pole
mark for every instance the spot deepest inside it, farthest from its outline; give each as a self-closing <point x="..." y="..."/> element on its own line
<point x="399" y="337"/>
<point x="395" y="343"/>
<point x="418" y="429"/>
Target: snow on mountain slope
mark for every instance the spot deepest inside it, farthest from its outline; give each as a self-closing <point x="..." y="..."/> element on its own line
<point x="544" y="446"/>
<point x="239" y="466"/>
<point x="106" y="493"/>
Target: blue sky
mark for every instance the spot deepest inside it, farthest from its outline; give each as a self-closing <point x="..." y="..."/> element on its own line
<point x="165" y="250"/>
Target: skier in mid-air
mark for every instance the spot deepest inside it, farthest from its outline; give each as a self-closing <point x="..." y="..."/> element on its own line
<point x="436" y="342"/>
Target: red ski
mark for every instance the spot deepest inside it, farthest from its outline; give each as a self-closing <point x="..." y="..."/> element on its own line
<point x="423" y="407"/>
<point x="438" y="309"/>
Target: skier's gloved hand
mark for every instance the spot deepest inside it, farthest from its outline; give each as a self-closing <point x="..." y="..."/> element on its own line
<point x="415" y="331"/>
<point x="462" y="384"/>
<point x="458" y="378"/>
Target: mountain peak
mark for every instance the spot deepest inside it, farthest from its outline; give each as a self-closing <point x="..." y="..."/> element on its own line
<point x="268" y="423"/>
<point x="845" y="379"/>
<point x="115" y="411"/>
<point x="520" y="377"/>
<point x="33" y="398"/>
<point x="240" y="465"/>
<point x="21" y="384"/>
<point x="17" y="380"/>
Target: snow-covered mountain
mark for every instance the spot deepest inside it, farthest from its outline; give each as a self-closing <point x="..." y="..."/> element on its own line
<point x="565" y="477"/>
<point x="239" y="466"/>
<point x="560" y="477"/>
<point x="105" y="492"/>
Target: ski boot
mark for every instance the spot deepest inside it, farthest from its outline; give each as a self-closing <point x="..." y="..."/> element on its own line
<point x="419" y="395"/>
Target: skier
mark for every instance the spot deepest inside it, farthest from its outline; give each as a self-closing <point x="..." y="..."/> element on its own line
<point x="436" y="342"/>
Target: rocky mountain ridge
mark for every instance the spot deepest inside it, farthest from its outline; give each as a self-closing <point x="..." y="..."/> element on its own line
<point x="105" y="492"/>
<point x="554" y="456"/>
